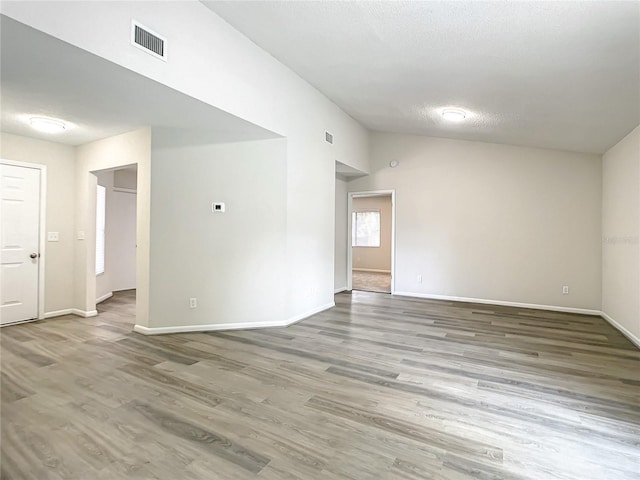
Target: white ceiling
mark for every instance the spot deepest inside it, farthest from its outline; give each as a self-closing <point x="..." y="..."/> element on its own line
<point x="345" y="172"/>
<point x="43" y="76"/>
<point x="562" y="75"/>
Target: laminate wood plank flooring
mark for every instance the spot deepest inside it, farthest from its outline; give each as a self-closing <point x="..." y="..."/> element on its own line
<point x="379" y="387"/>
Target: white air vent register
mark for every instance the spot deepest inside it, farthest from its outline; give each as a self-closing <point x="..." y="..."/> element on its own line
<point x="328" y="137"/>
<point x="146" y="39"/>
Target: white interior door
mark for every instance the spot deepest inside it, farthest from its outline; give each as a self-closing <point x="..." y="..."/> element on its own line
<point x="19" y="241"/>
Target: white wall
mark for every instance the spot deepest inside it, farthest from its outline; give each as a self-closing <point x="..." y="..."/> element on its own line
<point x="125" y="178"/>
<point x="240" y="78"/>
<point x="621" y="233"/>
<point x="122" y="240"/>
<point x="126" y="149"/>
<point x="341" y="236"/>
<point x="492" y="222"/>
<point x="103" y="281"/>
<point x="374" y="258"/>
<point x="233" y="263"/>
<point x="59" y="256"/>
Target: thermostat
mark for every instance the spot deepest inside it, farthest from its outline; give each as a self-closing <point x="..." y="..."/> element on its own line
<point x="217" y="207"/>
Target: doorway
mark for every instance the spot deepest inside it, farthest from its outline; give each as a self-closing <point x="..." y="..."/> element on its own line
<point x="22" y="214"/>
<point x="371" y="258"/>
<point x="115" y="259"/>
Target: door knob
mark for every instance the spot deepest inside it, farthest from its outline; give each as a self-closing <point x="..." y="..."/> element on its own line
<point x="34" y="255"/>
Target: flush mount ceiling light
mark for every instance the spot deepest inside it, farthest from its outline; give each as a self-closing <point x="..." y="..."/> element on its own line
<point x="454" y="114"/>
<point x="48" y="125"/>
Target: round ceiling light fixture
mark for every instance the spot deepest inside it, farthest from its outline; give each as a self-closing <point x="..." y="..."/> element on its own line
<point x="454" y="114"/>
<point x="394" y="163"/>
<point x="47" y="125"/>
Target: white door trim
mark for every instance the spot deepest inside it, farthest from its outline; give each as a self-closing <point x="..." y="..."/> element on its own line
<point x="42" y="227"/>
<point x="371" y="193"/>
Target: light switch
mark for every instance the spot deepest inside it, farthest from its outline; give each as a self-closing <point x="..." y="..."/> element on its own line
<point x="80" y="235"/>
<point x="52" y="237"/>
<point x="217" y="207"/>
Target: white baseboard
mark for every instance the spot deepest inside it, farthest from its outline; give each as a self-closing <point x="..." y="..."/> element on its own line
<point x="58" y="313"/>
<point x="309" y="313"/>
<point x="71" y="311"/>
<point x="228" y="326"/>
<point x="338" y="290"/>
<point x="205" y="327"/>
<point x="371" y="270"/>
<point x="84" y="313"/>
<point x="635" y="340"/>
<point x="104" y="297"/>
<point x="553" y="308"/>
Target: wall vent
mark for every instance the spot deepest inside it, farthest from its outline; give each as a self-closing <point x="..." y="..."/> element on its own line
<point x="328" y="137"/>
<point x="148" y="40"/>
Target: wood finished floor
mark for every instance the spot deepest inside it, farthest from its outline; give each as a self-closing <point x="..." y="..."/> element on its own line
<point x="379" y="387"/>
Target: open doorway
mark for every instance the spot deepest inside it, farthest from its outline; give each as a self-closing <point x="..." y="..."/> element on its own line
<point x="371" y="259"/>
<point x="116" y="199"/>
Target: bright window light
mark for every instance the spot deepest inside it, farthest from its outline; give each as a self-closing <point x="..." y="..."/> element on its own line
<point x="366" y="229"/>
<point x="101" y="214"/>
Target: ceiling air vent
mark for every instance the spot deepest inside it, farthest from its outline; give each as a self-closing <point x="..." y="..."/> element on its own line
<point x="328" y="137"/>
<point x="148" y="40"/>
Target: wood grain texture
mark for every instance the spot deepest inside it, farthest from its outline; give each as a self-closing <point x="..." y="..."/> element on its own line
<point x="379" y="387"/>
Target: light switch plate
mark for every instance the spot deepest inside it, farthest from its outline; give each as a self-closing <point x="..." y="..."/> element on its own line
<point x="80" y="235"/>
<point x="52" y="237"/>
<point x="218" y="207"/>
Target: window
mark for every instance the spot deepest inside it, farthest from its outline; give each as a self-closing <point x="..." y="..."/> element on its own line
<point x="101" y="210"/>
<point x="366" y="229"/>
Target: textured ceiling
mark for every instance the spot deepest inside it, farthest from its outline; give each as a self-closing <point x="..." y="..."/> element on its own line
<point x="44" y="76"/>
<point x="562" y="75"/>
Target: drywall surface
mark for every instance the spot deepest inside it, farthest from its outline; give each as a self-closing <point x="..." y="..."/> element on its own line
<point x="103" y="280"/>
<point x="341" y="235"/>
<point x="122" y="240"/>
<point x="234" y="262"/>
<point x="374" y="258"/>
<point x="620" y="233"/>
<point x="59" y="256"/>
<point x="238" y="76"/>
<point x="110" y="153"/>
<point x="242" y="79"/>
<point x="493" y="222"/>
<point x="125" y="178"/>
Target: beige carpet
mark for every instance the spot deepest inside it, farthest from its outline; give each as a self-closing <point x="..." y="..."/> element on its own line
<point x="371" y="281"/>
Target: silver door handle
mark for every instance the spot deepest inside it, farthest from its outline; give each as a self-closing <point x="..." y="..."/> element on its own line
<point x="34" y="255"/>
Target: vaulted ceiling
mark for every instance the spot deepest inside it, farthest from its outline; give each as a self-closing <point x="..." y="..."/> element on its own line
<point x="43" y="76"/>
<point x="562" y="75"/>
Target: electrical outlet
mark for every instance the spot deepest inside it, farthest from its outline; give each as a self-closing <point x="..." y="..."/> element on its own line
<point x="419" y="278"/>
<point x="565" y="290"/>
<point x="193" y="303"/>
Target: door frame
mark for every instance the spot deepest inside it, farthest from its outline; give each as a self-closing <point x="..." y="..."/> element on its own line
<point x="371" y="193"/>
<point x="41" y="227"/>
